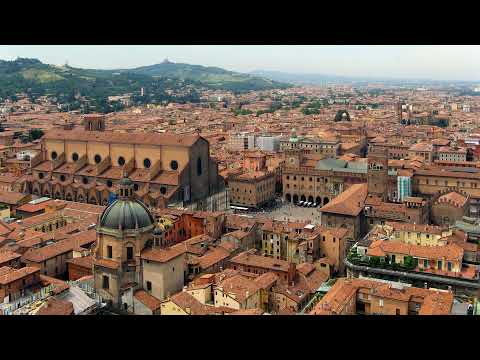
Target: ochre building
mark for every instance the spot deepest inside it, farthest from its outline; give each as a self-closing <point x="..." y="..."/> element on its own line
<point x="85" y="164"/>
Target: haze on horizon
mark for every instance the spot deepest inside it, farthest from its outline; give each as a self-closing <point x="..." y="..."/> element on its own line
<point x="436" y="62"/>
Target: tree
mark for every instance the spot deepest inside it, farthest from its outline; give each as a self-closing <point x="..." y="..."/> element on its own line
<point x="35" y="134"/>
<point x="339" y="115"/>
<point x="374" y="261"/>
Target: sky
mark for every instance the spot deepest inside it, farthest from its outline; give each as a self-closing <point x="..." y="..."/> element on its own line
<point x="438" y="62"/>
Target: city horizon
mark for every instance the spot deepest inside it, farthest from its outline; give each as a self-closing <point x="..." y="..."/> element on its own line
<point x="406" y="62"/>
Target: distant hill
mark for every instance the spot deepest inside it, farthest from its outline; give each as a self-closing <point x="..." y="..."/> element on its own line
<point x="31" y="76"/>
<point x="303" y="79"/>
<point x="322" y="79"/>
<point x="212" y="77"/>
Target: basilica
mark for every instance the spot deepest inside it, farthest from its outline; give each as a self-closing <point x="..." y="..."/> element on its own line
<point x="84" y="165"/>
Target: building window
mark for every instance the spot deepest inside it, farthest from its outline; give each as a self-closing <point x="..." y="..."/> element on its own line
<point x="121" y="161"/>
<point x="40" y="175"/>
<point x="85" y="180"/>
<point x="74" y="157"/>
<point x="397" y="311"/>
<point x="425" y="263"/>
<point x="149" y="285"/>
<point x="109" y="251"/>
<point x="173" y="165"/>
<point x="54" y="155"/>
<point x="439" y="264"/>
<point x="199" y="166"/>
<point x="105" y="283"/>
<point x="449" y="266"/>
<point x="147" y="163"/>
<point x="97" y="159"/>
<point x="109" y="183"/>
<point x="380" y="302"/>
<point x="173" y="269"/>
<point x="129" y="253"/>
<point x="163" y="190"/>
<point x="62" y="177"/>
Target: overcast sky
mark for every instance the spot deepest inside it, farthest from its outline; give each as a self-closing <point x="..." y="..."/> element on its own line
<point x="452" y="62"/>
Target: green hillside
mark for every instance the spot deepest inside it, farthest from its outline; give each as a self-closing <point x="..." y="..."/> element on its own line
<point x="212" y="77"/>
<point x="88" y="89"/>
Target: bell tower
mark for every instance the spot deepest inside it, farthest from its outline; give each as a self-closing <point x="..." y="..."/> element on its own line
<point x="377" y="173"/>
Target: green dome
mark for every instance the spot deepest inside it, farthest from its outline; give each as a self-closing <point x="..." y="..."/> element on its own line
<point x="125" y="182"/>
<point x="293" y="136"/>
<point x="126" y="215"/>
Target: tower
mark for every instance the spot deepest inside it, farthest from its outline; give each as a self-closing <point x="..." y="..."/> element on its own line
<point x="125" y="228"/>
<point x="398" y="111"/>
<point x="377" y="172"/>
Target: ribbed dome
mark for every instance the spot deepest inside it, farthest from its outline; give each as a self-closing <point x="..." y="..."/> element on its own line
<point x="126" y="215"/>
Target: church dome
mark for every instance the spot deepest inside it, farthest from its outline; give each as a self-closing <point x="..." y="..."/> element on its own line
<point x="126" y="215"/>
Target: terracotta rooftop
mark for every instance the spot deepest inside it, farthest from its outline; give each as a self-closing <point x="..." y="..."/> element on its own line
<point x="240" y="286"/>
<point x="186" y="302"/>
<point x="335" y="301"/>
<point x="254" y="311"/>
<point x="266" y="280"/>
<point x="110" y="264"/>
<point x="160" y="255"/>
<point x="122" y="138"/>
<point x="421" y="228"/>
<point x="7" y="255"/>
<point x="11" y="198"/>
<point x="454" y="198"/>
<point x="212" y="257"/>
<point x="384" y="247"/>
<point x="421" y="147"/>
<point x="349" y="202"/>
<point x="31" y="208"/>
<point x="249" y="259"/>
<point x="83" y="261"/>
<point x="56" y="307"/>
<point x="148" y="300"/>
<point x="18" y="274"/>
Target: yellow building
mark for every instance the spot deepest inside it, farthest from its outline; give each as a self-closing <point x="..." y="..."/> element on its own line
<point x="83" y="165"/>
<point x="424" y="235"/>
